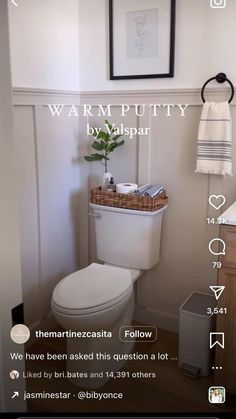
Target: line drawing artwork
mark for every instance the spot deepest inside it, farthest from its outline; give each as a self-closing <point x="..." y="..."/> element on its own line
<point x="141" y="33"/>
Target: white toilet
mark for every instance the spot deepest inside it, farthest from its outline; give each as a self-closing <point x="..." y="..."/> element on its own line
<point x="101" y="297"/>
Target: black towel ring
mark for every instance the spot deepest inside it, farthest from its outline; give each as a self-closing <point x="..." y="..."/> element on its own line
<point x="220" y="78"/>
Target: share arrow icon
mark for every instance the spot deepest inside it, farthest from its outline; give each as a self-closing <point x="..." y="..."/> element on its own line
<point x="217" y="289"/>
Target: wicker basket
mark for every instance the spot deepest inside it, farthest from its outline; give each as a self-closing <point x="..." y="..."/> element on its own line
<point x="113" y="199"/>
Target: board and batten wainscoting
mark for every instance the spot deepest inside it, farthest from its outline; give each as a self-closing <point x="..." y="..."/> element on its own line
<point x="57" y="235"/>
<point x="47" y="158"/>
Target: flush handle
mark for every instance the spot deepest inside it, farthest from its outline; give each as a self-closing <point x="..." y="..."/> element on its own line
<point x="95" y="214"/>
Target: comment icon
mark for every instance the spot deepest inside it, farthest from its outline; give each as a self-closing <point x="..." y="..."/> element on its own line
<point x="217" y="247"/>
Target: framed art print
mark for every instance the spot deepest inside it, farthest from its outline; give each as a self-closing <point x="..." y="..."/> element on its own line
<point x="142" y="38"/>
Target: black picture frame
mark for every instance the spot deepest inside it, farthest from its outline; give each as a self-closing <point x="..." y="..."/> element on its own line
<point x="170" y="73"/>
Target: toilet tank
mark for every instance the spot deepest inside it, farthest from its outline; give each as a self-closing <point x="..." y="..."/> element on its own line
<point x="126" y="237"/>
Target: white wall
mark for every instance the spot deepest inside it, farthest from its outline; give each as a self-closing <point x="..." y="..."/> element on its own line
<point x="44" y="44"/>
<point x="205" y="40"/>
<point x="63" y="44"/>
<point x="10" y="274"/>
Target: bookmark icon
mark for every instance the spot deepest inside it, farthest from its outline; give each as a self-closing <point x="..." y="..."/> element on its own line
<point x="217" y="338"/>
<point x="218" y="290"/>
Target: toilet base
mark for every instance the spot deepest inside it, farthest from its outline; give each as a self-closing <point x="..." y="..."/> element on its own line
<point x="97" y="370"/>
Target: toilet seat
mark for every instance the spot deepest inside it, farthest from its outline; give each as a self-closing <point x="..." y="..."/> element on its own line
<point x="92" y="289"/>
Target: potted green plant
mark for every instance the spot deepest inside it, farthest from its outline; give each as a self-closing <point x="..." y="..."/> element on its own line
<point x="105" y="143"/>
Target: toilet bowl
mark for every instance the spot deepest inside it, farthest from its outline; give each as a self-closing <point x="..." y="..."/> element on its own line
<point x="97" y="298"/>
<point x="101" y="297"/>
<point x="93" y="298"/>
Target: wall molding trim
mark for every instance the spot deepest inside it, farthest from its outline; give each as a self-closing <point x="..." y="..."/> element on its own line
<point x="155" y="93"/>
<point x="33" y="96"/>
<point x="29" y="96"/>
<point x="33" y="91"/>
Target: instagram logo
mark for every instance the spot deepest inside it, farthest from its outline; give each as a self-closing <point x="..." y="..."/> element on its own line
<point x="218" y="4"/>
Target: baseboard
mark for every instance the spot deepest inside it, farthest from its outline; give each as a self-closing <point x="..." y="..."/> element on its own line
<point x="160" y="319"/>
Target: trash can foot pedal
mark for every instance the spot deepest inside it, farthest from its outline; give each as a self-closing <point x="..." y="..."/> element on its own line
<point x="190" y="371"/>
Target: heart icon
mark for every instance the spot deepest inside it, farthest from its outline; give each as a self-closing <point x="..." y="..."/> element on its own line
<point x="215" y="198"/>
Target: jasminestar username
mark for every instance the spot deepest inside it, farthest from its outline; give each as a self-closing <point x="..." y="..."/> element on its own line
<point x="45" y="395"/>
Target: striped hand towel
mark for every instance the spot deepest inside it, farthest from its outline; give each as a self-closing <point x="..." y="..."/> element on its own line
<point x="214" y="146"/>
<point x="140" y="191"/>
<point x="154" y="191"/>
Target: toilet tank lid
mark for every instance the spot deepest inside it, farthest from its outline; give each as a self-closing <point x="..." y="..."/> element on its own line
<point x="93" y="286"/>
